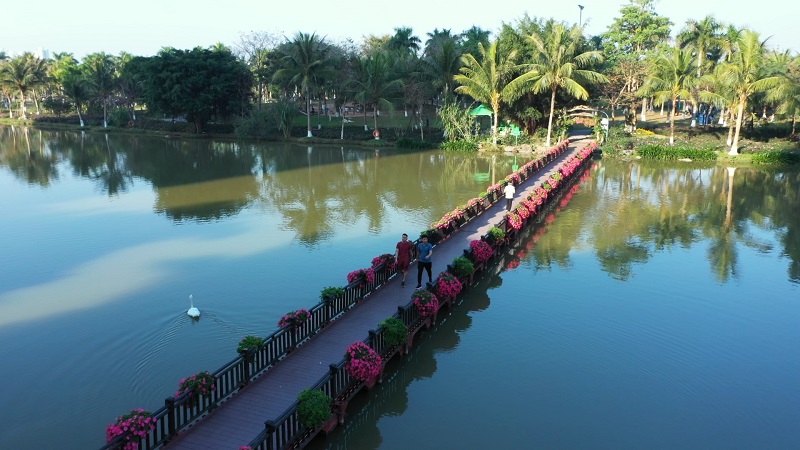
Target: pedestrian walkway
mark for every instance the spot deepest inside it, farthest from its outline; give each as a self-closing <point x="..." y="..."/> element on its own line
<point x="240" y="419"/>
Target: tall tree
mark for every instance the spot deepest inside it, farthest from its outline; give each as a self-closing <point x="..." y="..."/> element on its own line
<point x="76" y="89"/>
<point x="441" y="63"/>
<point x="671" y="76"/>
<point x="559" y="65"/>
<point x="405" y="41"/>
<point x="375" y="84"/>
<point x="638" y="29"/>
<point x="745" y="74"/>
<point x="472" y="37"/>
<point x="702" y="37"/>
<point x="493" y="80"/>
<point x="304" y="64"/>
<point x="100" y="73"/>
<point x="23" y="73"/>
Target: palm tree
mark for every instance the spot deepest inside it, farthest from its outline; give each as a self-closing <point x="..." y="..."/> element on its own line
<point x="405" y="41"/>
<point x="23" y="73"/>
<point x="787" y="93"/>
<point x="493" y="80"/>
<point x="76" y="89"/>
<point x="745" y="74"/>
<point x="702" y="37"/>
<point x="559" y="66"/>
<point x="305" y="63"/>
<point x="441" y="63"/>
<point x="100" y="74"/>
<point x="671" y="76"/>
<point x="376" y="84"/>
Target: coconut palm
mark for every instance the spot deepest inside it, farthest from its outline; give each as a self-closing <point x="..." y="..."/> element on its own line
<point x="701" y="36"/>
<point x="560" y="66"/>
<point x="441" y="63"/>
<point x="493" y="80"/>
<point x="23" y="73"/>
<point x="746" y="75"/>
<point x="405" y="41"/>
<point x="100" y="74"/>
<point x="304" y="64"/>
<point x="787" y="93"/>
<point x="77" y="90"/>
<point x="671" y="76"/>
<point x="376" y="85"/>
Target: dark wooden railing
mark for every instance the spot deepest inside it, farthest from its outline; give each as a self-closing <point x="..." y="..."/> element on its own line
<point x="178" y="413"/>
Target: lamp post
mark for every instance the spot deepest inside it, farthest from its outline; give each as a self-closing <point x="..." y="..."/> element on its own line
<point x="580" y="16"/>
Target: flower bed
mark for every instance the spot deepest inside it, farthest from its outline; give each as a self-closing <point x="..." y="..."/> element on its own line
<point x="294" y="318"/>
<point x="135" y="425"/>
<point x="387" y="259"/>
<point x="481" y="251"/>
<point x="427" y="304"/>
<point x="366" y="275"/>
<point x="447" y="285"/>
<point x="201" y="383"/>
<point x="514" y="221"/>
<point x="363" y="362"/>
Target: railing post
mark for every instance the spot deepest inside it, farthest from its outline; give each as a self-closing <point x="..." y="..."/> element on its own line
<point x="270" y="425"/>
<point x="248" y="358"/>
<point x="170" y="404"/>
<point x="373" y="338"/>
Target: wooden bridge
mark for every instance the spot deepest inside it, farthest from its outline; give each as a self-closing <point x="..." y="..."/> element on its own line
<point x="255" y="398"/>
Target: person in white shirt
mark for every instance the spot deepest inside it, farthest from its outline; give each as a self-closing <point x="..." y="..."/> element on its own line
<point x="509" y="191"/>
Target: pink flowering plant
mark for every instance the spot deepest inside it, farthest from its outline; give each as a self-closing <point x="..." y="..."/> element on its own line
<point x="294" y="317"/>
<point x="514" y="221"/>
<point x="363" y="362"/>
<point x="514" y="178"/>
<point x="481" y="251"/>
<point x="522" y="212"/>
<point x="366" y="275"/>
<point x="386" y="258"/>
<point x="495" y="188"/>
<point x="475" y="202"/>
<point x="201" y="383"/>
<point x="135" y="426"/>
<point x="447" y="285"/>
<point x="427" y="304"/>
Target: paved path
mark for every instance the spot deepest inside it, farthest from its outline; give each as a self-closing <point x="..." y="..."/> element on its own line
<point x="240" y="419"/>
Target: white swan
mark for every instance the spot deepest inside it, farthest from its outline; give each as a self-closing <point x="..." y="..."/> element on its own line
<point x="193" y="312"/>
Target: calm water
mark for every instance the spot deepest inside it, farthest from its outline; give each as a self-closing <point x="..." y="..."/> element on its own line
<point x="653" y="311"/>
<point x="103" y="240"/>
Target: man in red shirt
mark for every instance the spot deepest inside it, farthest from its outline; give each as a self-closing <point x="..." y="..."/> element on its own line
<point x="402" y="254"/>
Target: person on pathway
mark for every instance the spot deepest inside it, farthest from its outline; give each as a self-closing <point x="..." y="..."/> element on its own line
<point x="402" y="254"/>
<point x="509" y="191"/>
<point x="424" y="262"/>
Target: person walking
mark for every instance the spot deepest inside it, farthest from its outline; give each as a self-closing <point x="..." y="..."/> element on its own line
<point x="402" y="255"/>
<point x="509" y="191"/>
<point x="424" y="261"/>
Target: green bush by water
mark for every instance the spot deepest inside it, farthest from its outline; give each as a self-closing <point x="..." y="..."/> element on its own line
<point x="460" y="146"/>
<point x="776" y="157"/>
<point x="672" y="153"/>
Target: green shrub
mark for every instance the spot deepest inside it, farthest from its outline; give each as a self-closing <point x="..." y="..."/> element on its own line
<point x="414" y="144"/>
<point x="394" y="331"/>
<point x="673" y="153"/>
<point x="331" y="291"/>
<point x="250" y="343"/>
<point x="776" y="157"/>
<point x="314" y="408"/>
<point x="119" y="117"/>
<point x="462" y="266"/>
<point x="460" y="146"/>
<point x="496" y="233"/>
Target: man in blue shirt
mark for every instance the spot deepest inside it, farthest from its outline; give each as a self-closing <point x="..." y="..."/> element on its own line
<point x="424" y="262"/>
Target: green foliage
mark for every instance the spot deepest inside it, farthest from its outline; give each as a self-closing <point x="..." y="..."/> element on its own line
<point x="314" y="408"/>
<point x="58" y="105"/>
<point x="496" y="233"/>
<point x="638" y="29"/>
<point x="776" y="157"/>
<point x="331" y="291"/>
<point x="250" y="343"/>
<point x="460" y="146"/>
<point x="414" y="144"/>
<point x="462" y="266"/>
<point x="394" y="331"/>
<point x="197" y="83"/>
<point x="271" y="121"/>
<point x="457" y="123"/>
<point x="674" y="153"/>
<point x="119" y="117"/>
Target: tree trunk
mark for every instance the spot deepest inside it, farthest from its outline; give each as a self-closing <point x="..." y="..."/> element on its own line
<point x="550" y="120"/>
<point x="308" y="114"/>
<point x="105" y="114"/>
<point x="729" y="141"/>
<point x="735" y="144"/>
<point x="375" y="117"/>
<point x="341" y="110"/>
<point x="36" y="102"/>
<point x="22" y="105"/>
<point x="496" y="109"/>
<point x="672" y="123"/>
<point x="644" y="109"/>
<point x="78" y="109"/>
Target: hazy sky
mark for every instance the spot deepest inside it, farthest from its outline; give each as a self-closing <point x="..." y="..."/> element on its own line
<point x="142" y="27"/>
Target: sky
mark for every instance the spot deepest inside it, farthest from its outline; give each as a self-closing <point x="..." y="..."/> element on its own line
<point x="143" y="27"/>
